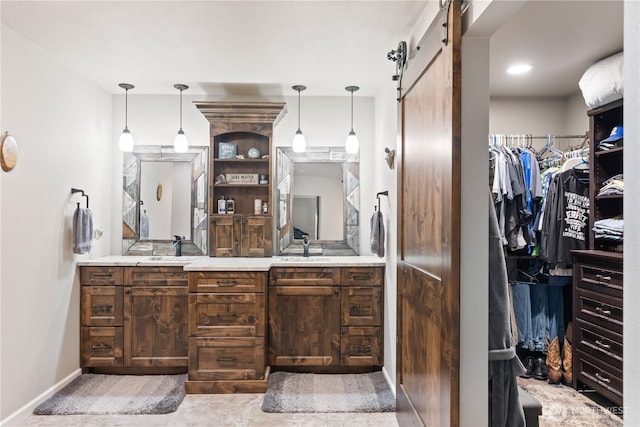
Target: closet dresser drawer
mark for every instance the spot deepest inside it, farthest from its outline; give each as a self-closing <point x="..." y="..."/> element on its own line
<point x="598" y="322"/>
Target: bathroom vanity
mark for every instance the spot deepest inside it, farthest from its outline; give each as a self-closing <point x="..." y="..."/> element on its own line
<point x="228" y="321"/>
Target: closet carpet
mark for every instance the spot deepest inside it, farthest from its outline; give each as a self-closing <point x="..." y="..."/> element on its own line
<point x="564" y="406"/>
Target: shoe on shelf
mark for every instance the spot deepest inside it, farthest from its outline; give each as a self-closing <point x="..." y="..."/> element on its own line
<point x="540" y="371"/>
<point x="529" y="364"/>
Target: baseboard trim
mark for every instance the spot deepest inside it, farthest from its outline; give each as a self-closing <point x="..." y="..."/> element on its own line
<point x="18" y="416"/>
<point x="392" y="386"/>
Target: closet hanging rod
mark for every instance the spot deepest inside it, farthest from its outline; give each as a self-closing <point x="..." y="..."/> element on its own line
<point x="541" y="137"/>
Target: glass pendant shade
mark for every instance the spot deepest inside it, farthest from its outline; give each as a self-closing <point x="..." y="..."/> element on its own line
<point x="353" y="145"/>
<point x="181" y="143"/>
<point x="126" y="141"/>
<point x="299" y="143"/>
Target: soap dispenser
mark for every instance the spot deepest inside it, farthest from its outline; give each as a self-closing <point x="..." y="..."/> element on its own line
<point x="231" y="206"/>
<point x="222" y="205"/>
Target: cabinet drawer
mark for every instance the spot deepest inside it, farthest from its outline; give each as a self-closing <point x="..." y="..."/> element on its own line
<point x="604" y="378"/>
<point x="227" y="315"/>
<point x="102" y="276"/>
<point x="219" y="359"/>
<point x="223" y="281"/>
<point x="101" y="305"/>
<point x="361" y="306"/>
<point x="155" y="276"/>
<point x="304" y="276"/>
<point x="358" y="276"/>
<point x="602" y="310"/>
<point x="601" y="343"/>
<point x="101" y="347"/>
<point x="598" y="279"/>
<point x="361" y="346"/>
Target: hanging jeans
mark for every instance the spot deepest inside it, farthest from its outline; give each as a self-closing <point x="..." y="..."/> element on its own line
<point x="539" y="316"/>
<point x="522" y="313"/>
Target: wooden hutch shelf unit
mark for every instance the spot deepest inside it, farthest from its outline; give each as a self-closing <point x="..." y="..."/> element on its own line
<point x="598" y="273"/>
<point x="245" y="125"/>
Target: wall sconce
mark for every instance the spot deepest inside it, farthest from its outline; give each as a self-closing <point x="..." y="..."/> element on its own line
<point x="126" y="140"/>
<point x="181" y="143"/>
<point x="353" y="145"/>
<point x="299" y="144"/>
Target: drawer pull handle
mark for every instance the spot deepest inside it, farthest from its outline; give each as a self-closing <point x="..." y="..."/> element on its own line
<point x="102" y="276"/>
<point x="603" y="311"/>
<point x="101" y="347"/>
<point x="603" y="345"/>
<point x="361" y="277"/>
<point x="602" y="378"/>
<point x="226" y="283"/>
<point x="226" y="359"/>
<point x="361" y="348"/>
<point x="601" y="277"/>
<point x="102" y="308"/>
<point x="227" y="315"/>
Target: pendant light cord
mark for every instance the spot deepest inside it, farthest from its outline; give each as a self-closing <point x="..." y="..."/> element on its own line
<point x="126" y="107"/>
<point x="180" y="109"/>
<point x="298" y="109"/>
<point x="352" y="111"/>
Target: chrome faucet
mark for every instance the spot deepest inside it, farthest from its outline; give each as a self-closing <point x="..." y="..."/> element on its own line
<point x="177" y="242"/>
<point x="305" y="246"/>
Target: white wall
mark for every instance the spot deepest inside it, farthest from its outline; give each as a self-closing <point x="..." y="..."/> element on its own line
<point x="385" y="179"/>
<point x="63" y="127"/>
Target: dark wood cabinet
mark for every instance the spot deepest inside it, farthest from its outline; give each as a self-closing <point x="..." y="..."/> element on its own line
<point x="247" y="129"/>
<point x="598" y="272"/>
<point x="325" y="317"/>
<point x="227" y="324"/>
<point x="597" y="322"/>
<point x="238" y="235"/>
<point x="136" y="319"/>
<point x="156" y="313"/>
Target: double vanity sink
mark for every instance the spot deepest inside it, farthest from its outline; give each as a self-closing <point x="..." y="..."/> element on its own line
<point x="228" y="321"/>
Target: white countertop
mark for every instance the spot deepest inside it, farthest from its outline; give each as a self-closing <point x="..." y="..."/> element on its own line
<point x="205" y="263"/>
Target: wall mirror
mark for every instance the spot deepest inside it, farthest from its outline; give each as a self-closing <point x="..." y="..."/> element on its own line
<point x="318" y="194"/>
<point x="164" y="194"/>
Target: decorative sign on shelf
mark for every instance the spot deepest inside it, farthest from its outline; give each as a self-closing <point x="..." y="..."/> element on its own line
<point x="227" y="150"/>
<point x="242" y="178"/>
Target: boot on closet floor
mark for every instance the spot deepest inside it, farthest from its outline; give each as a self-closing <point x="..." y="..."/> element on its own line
<point x="554" y="362"/>
<point x="540" y="371"/>
<point x="567" y="363"/>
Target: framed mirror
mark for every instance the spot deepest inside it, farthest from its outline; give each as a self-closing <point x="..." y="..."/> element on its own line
<point x="164" y="195"/>
<point x="317" y="194"/>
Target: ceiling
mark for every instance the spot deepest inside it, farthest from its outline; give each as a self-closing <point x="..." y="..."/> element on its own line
<point x="264" y="47"/>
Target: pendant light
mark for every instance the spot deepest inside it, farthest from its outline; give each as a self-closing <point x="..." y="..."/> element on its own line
<point x="180" y="143"/>
<point x="352" y="145"/>
<point x="126" y="140"/>
<point x="299" y="143"/>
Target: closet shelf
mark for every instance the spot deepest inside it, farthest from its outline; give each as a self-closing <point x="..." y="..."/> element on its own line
<point x="610" y="196"/>
<point x="616" y="150"/>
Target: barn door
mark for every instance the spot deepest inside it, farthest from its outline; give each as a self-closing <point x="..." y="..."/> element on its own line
<point x="428" y="270"/>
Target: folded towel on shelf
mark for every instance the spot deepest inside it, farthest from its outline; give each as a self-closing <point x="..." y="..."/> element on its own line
<point x="377" y="234"/>
<point x="82" y="230"/>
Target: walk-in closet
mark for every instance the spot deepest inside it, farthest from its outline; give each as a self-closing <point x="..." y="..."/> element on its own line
<point x="555" y="173"/>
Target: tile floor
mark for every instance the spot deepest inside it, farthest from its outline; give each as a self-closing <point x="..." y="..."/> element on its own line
<point x="219" y="410"/>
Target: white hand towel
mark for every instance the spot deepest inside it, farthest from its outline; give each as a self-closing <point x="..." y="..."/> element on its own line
<point x="377" y="234"/>
<point x="82" y="230"/>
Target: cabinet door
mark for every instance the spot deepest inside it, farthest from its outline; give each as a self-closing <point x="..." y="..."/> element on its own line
<point x="256" y="236"/>
<point x="224" y="236"/>
<point x="155" y="326"/>
<point x="304" y="325"/>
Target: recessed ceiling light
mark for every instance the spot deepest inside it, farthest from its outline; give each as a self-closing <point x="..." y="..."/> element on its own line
<point x="519" y="69"/>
